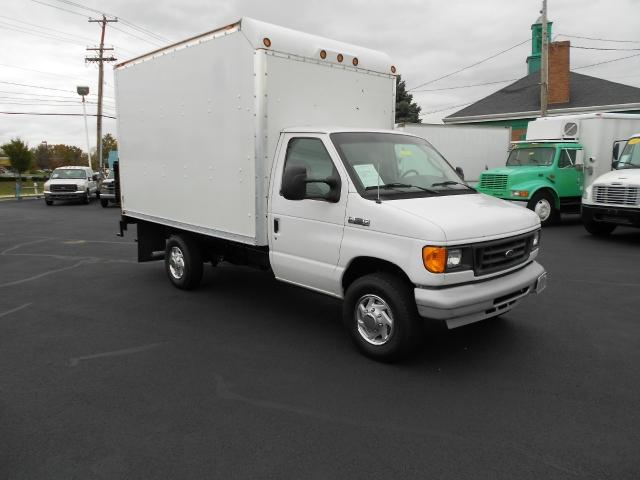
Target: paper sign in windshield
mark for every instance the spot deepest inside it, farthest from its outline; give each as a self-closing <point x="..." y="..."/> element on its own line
<point x="368" y="174"/>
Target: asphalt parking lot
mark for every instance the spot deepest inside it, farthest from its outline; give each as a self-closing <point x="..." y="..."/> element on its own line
<point x="107" y="371"/>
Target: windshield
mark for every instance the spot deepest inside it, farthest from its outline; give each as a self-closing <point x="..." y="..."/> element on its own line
<point x="69" y="173"/>
<point x="630" y="157"/>
<point x="530" y="157"/>
<point x="402" y="165"/>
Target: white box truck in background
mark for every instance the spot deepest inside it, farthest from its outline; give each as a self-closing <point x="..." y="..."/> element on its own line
<point x="228" y="154"/>
<point x="471" y="148"/>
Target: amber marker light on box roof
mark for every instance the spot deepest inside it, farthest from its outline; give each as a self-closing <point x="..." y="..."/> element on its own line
<point x="323" y="54"/>
<point x="393" y="69"/>
<point x="434" y="259"/>
<point x="355" y="61"/>
<point x="340" y="57"/>
<point x="266" y="42"/>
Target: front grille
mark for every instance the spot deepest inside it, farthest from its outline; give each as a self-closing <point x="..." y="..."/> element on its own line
<point x="501" y="254"/>
<point x="109" y="187"/>
<point x="63" y="188"/>
<point x="493" y="181"/>
<point x="609" y="194"/>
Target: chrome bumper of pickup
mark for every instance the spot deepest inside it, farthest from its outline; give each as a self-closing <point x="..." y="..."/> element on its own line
<point x="477" y="301"/>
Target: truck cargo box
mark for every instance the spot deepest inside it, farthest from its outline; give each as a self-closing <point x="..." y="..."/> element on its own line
<point x="199" y="121"/>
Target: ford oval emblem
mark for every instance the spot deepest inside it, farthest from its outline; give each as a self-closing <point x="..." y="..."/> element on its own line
<point x="509" y="253"/>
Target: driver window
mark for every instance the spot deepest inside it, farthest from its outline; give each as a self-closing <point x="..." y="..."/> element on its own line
<point x="567" y="158"/>
<point x="311" y="154"/>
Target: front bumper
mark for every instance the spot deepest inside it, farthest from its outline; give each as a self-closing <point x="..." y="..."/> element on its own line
<point x="608" y="214"/>
<point x="78" y="195"/>
<point x="478" y="301"/>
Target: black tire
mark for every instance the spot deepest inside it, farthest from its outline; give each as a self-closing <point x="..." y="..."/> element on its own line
<point x="546" y="201"/>
<point x="49" y="202"/>
<point x="599" y="229"/>
<point x="406" y="333"/>
<point x="104" y="202"/>
<point x="97" y="194"/>
<point x="87" y="198"/>
<point x="185" y="276"/>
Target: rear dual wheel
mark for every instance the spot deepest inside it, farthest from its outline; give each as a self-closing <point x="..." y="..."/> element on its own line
<point x="183" y="262"/>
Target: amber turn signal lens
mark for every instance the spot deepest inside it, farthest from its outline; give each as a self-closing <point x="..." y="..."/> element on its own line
<point x="266" y="42"/>
<point x="434" y="259"/>
<point x="340" y="57"/>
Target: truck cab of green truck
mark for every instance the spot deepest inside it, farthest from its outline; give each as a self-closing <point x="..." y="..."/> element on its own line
<point x="560" y="157"/>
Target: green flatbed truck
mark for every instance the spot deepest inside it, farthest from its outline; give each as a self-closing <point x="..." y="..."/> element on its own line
<point x="561" y="156"/>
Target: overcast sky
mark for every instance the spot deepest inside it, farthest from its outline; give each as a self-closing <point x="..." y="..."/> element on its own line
<point x="427" y="39"/>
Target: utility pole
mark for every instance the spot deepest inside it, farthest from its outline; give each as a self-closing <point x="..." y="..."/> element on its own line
<point x="100" y="58"/>
<point x="544" y="64"/>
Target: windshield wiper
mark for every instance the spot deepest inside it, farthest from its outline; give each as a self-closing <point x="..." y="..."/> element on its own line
<point x="396" y="185"/>
<point x="451" y="182"/>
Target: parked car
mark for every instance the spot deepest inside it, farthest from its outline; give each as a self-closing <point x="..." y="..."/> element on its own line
<point x="71" y="183"/>
<point x="108" y="190"/>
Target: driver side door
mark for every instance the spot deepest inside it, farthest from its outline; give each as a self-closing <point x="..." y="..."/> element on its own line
<point x="305" y="235"/>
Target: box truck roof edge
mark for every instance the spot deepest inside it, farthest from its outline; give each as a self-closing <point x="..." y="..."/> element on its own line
<point x="263" y="35"/>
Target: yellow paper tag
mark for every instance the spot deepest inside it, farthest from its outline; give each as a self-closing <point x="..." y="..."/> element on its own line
<point x="633" y="141"/>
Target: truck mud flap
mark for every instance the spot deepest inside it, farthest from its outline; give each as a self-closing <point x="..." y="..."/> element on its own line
<point x="151" y="241"/>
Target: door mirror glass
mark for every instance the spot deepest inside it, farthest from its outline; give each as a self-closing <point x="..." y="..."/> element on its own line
<point x="616" y="151"/>
<point x="294" y="183"/>
<point x="460" y="173"/>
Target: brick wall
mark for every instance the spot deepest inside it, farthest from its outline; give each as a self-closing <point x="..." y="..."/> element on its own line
<point x="559" y="75"/>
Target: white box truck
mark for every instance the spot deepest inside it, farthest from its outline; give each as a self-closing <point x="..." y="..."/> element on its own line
<point x="227" y="153"/>
<point x="473" y="149"/>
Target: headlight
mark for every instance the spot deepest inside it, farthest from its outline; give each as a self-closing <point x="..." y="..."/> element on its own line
<point x="454" y="258"/>
<point x="441" y="259"/>
<point x="520" y="193"/>
<point x="536" y="239"/>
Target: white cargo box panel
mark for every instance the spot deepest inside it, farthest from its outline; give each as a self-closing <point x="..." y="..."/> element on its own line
<point x="473" y="148"/>
<point x="199" y="121"/>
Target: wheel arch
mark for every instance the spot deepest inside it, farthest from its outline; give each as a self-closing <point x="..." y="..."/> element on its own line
<point x="361" y="266"/>
<point x="551" y="190"/>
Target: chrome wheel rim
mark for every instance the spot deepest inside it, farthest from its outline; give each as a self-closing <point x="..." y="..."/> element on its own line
<point x="374" y="319"/>
<point x="543" y="209"/>
<point x="176" y="263"/>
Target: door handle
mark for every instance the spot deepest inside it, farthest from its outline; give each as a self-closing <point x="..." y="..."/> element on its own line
<point x="276" y="225"/>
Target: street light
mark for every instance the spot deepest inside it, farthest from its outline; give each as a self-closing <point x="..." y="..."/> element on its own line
<point x="82" y="91"/>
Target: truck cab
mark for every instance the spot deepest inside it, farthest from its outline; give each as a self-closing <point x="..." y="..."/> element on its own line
<point x="614" y="198"/>
<point x="546" y="177"/>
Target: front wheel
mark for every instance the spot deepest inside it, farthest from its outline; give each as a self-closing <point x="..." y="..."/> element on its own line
<point x="183" y="262"/>
<point x="87" y="198"/>
<point x="380" y="315"/>
<point x="599" y="229"/>
<point x="104" y="202"/>
<point x="49" y="202"/>
<point x="543" y="204"/>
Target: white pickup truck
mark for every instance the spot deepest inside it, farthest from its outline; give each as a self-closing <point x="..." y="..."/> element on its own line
<point x="71" y="183"/>
<point x="360" y="212"/>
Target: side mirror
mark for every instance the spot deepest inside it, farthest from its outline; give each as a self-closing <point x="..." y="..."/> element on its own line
<point x="294" y="183"/>
<point x="614" y="164"/>
<point x="460" y="172"/>
<point x="616" y="150"/>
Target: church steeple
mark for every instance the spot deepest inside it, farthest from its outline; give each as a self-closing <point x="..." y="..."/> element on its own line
<point x="533" y="60"/>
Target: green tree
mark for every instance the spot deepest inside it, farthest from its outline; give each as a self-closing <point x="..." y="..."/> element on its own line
<point x="62" y="155"/>
<point x="407" y="111"/>
<point x="19" y="155"/>
<point x="108" y="143"/>
<point x="42" y="156"/>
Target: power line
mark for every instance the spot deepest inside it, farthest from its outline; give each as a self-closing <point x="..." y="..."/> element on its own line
<point x="46" y="28"/>
<point x="135" y="36"/>
<point x="598" y="39"/>
<point x="15" y="28"/>
<point x="40" y="87"/>
<point x="469" y="66"/>
<point x="465" y="86"/>
<point x="607" y="61"/>
<point x="60" y="8"/>
<point x="122" y="20"/>
<point x="601" y="48"/>
<point x="55" y="114"/>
